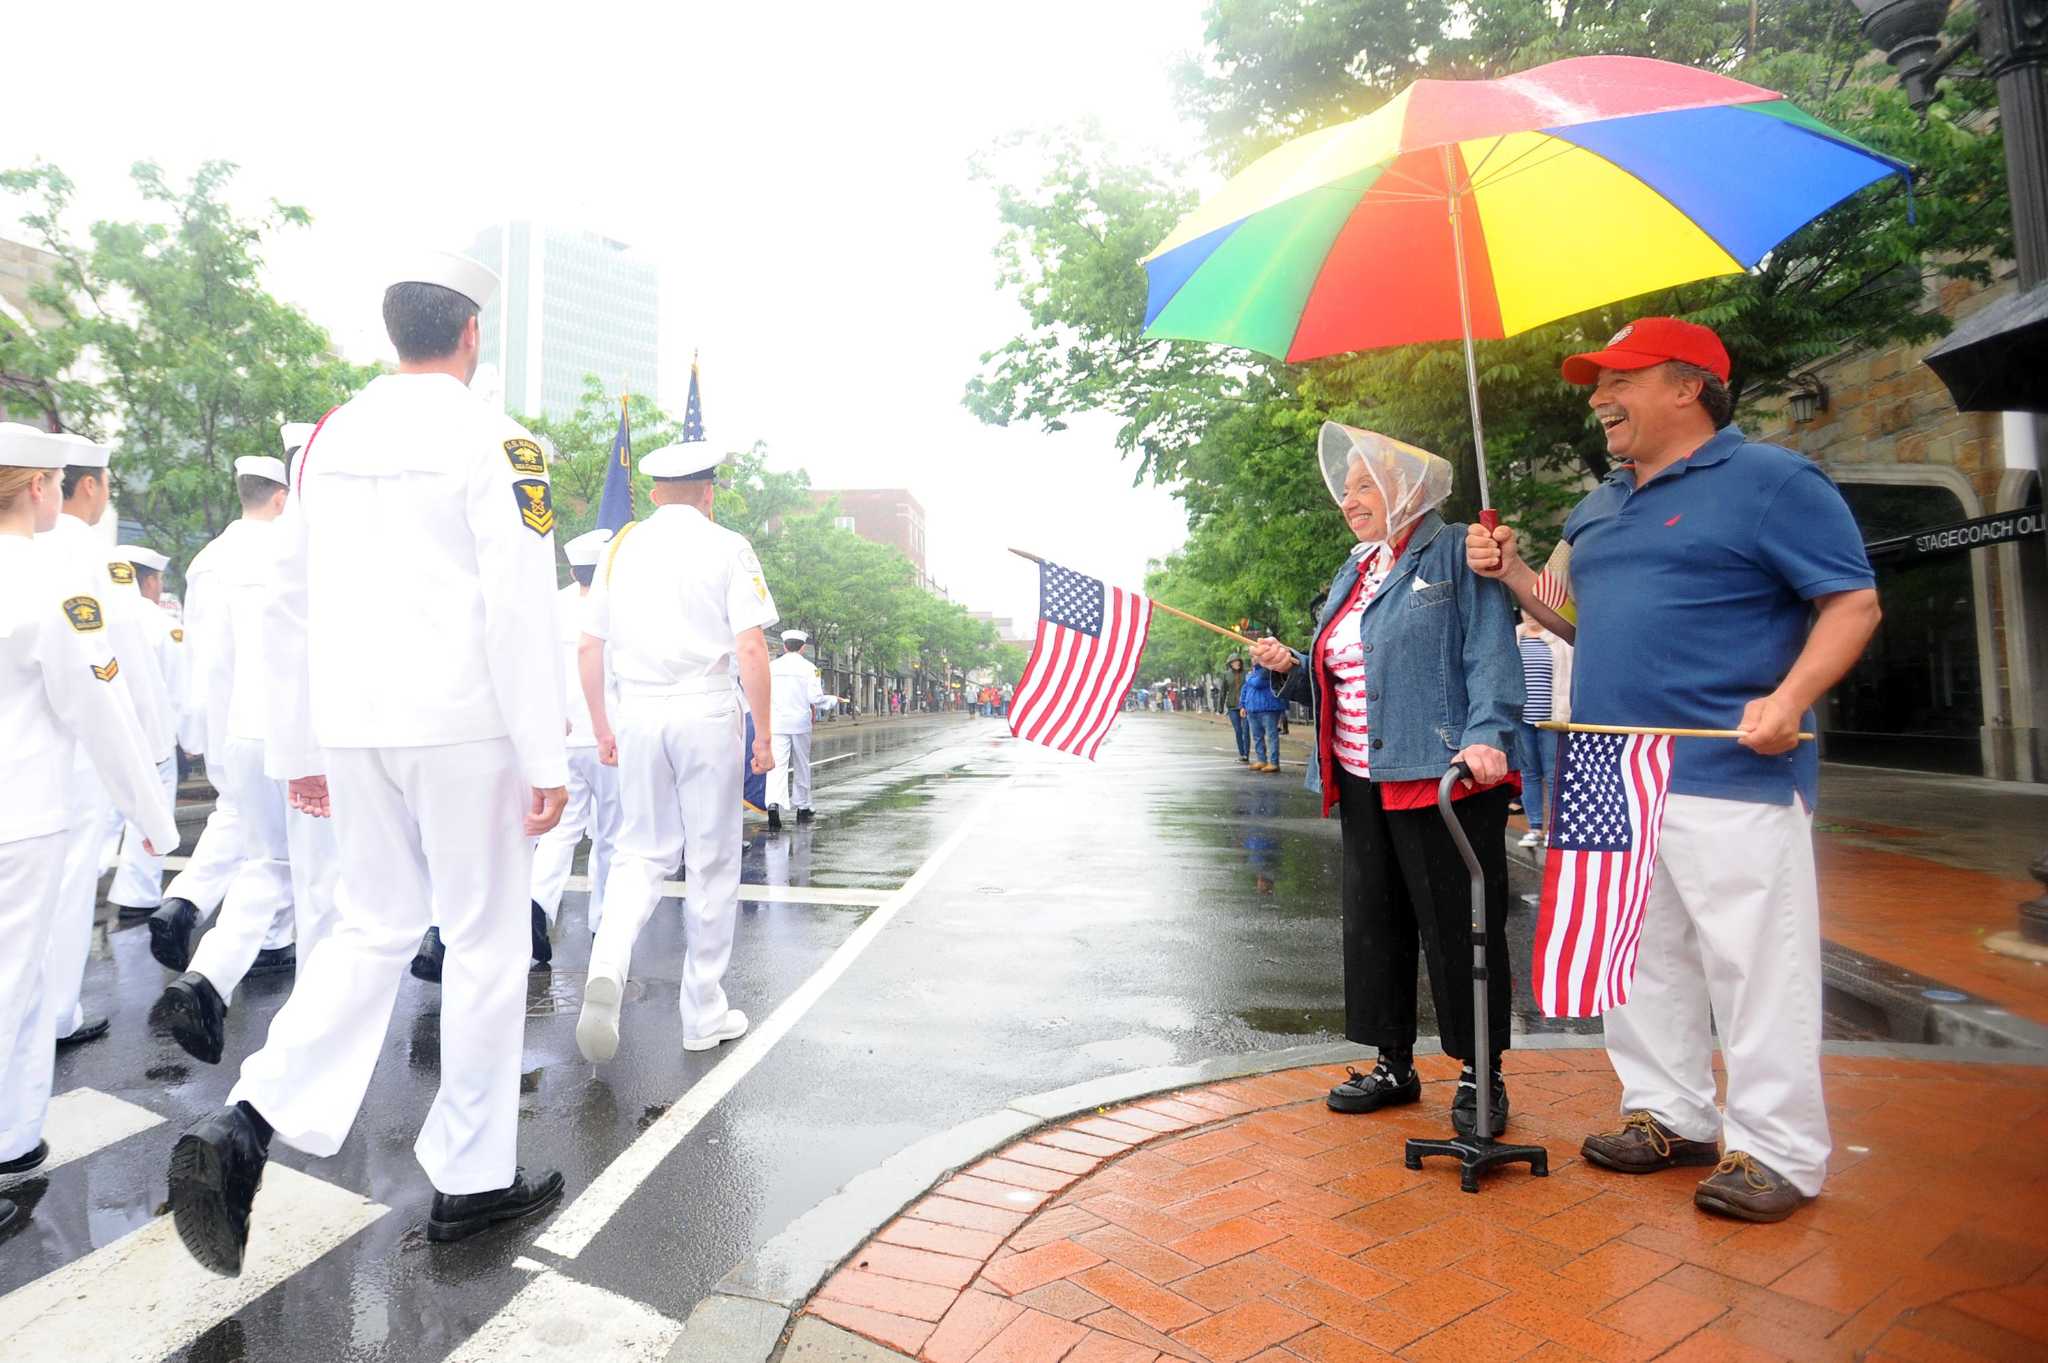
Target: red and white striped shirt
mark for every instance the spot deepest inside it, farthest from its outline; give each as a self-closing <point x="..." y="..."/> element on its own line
<point x="1344" y="665"/>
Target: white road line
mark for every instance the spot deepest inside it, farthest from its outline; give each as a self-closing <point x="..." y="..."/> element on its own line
<point x="143" y="1297"/>
<point x="574" y="1229"/>
<point x="555" y="1319"/>
<point x="827" y="761"/>
<point x="85" y="1120"/>
<point x="770" y="894"/>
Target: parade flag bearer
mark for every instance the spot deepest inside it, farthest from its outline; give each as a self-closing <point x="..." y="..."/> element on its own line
<point x="415" y="700"/>
<point x="677" y="600"/>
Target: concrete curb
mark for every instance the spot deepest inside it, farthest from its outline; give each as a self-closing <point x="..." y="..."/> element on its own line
<point x="749" y="1313"/>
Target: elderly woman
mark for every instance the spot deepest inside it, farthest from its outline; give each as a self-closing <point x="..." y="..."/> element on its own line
<point x="1413" y="668"/>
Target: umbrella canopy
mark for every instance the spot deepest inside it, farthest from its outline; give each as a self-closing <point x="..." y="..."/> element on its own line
<point x="1574" y="184"/>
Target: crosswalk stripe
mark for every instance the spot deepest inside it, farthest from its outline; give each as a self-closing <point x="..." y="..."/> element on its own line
<point x="85" y="1120"/>
<point x="144" y="1297"/>
<point x="555" y="1319"/>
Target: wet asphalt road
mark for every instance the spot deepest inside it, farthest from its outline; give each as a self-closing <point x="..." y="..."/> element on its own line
<point x="1162" y="905"/>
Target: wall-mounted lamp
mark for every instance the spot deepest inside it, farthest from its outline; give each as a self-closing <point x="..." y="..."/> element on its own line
<point x="1809" y="399"/>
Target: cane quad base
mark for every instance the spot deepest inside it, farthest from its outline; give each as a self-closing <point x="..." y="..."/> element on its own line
<point x="1476" y="1155"/>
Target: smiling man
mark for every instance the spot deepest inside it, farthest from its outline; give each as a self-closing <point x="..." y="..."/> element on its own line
<point x="1712" y="583"/>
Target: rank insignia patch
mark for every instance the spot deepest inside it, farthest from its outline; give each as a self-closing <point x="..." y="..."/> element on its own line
<point x="536" y="507"/>
<point x="525" y="456"/>
<point x="109" y="672"/>
<point x="84" y="613"/>
<point x="177" y="636"/>
<point x="122" y="573"/>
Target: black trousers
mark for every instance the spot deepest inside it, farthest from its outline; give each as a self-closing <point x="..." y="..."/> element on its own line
<point x="1406" y="889"/>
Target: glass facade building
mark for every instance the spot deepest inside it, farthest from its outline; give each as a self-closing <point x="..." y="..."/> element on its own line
<point x="571" y="304"/>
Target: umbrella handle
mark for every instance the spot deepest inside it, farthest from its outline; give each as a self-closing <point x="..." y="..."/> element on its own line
<point x="1490" y="518"/>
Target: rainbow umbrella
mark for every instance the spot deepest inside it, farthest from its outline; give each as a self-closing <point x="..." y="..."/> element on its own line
<point x="1484" y="208"/>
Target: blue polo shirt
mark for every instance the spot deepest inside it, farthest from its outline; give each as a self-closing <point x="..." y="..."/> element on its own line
<point x="1693" y="596"/>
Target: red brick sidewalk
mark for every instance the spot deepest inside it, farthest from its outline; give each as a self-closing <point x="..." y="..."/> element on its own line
<point x="1246" y="1221"/>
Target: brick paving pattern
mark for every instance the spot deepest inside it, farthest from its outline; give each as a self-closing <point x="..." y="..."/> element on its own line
<point x="1245" y="1222"/>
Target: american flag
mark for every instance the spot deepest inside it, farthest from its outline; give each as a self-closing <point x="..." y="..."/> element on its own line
<point x="1606" y="810"/>
<point x="1089" y="639"/>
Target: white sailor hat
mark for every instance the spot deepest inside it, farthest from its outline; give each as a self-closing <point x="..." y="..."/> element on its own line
<point x="143" y="557"/>
<point x="262" y="466"/>
<point x="690" y="459"/>
<point x="472" y="279"/>
<point x="29" y="447"/>
<point x="80" y="453"/>
<point x="295" y="434"/>
<point x="795" y="636"/>
<point x="583" y="551"/>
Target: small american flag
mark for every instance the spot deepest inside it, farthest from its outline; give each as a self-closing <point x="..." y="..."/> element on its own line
<point x="1089" y="639"/>
<point x="1606" y="810"/>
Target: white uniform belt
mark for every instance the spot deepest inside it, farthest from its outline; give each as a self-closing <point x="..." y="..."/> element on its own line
<point x="691" y="686"/>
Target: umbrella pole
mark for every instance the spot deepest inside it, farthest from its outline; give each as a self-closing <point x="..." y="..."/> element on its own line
<point x="1488" y="517"/>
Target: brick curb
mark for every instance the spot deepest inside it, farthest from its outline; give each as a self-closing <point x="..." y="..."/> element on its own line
<point x="749" y="1316"/>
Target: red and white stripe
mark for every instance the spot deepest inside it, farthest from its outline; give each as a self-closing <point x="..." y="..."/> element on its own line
<point x="1074" y="686"/>
<point x="1344" y="663"/>
<point x="1591" y="919"/>
<point x="1551" y="590"/>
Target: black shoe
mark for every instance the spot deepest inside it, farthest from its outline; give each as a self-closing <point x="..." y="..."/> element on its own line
<point x="192" y="1011"/>
<point x="426" y="962"/>
<point x="1465" y="1105"/>
<point x="774" y="818"/>
<point x="543" y="949"/>
<point x="9" y="1214"/>
<point x="21" y="1164"/>
<point x="806" y="815"/>
<point x="216" y="1168"/>
<point x="170" y="933"/>
<point x="275" y="960"/>
<point x="1371" y="1092"/>
<point x="134" y="913"/>
<point x="92" y="1029"/>
<point x="457" y="1216"/>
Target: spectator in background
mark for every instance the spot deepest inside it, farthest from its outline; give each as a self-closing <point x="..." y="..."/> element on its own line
<point x="1262" y="707"/>
<point x="1547" y="681"/>
<point x="1233" y="701"/>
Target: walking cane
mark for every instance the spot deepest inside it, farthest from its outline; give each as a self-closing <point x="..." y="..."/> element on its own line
<point x="1477" y="1152"/>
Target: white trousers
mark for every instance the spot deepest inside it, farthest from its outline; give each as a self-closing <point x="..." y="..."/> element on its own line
<point x="789" y="782"/>
<point x="428" y="834"/>
<point x="1730" y="941"/>
<point x="30" y="869"/>
<point x="139" y="875"/>
<point x="679" y="790"/>
<point x="260" y="897"/>
<point x="593" y="808"/>
<point x="76" y="900"/>
<point x="316" y="868"/>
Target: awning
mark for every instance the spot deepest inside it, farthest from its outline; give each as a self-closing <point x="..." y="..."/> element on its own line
<point x="1997" y="361"/>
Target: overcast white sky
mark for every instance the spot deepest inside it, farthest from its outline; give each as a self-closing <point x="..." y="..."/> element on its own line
<point x="798" y="170"/>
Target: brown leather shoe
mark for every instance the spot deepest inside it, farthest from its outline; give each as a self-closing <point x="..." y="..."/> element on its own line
<point x="1645" y="1145"/>
<point x="1747" y="1189"/>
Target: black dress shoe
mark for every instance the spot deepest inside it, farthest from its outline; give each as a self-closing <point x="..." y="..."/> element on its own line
<point x="275" y="960"/>
<point x="21" y="1164"/>
<point x="1465" y="1105"/>
<point x="426" y="962"/>
<point x="92" y="1029"/>
<point x="543" y="949"/>
<point x="195" y="1015"/>
<point x="134" y="913"/>
<point x="216" y="1168"/>
<point x="457" y="1216"/>
<point x="1371" y="1092"/>
<point x="774" y="818"/>
<point x="806" y="815"/>
<point x="170" y="933"/>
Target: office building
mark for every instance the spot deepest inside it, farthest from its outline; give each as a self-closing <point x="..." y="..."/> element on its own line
<point x="571" y="304"/>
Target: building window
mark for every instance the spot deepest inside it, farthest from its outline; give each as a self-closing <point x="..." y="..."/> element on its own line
<point x="843" y="522"/>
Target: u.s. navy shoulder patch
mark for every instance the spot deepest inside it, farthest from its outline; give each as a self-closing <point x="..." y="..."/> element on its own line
<point x="84" y="614"/>
<point x="525" y="456"/>
<point x="122" y="573"/>
<point x="177" y="636"/>
<point x="109" y="672"/>
<point x="536" y="506"/>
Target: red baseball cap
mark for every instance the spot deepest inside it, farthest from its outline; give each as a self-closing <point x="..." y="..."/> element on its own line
<point x="1647" y="341"/>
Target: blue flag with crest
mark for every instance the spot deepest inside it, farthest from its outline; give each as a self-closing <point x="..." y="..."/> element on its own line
<point x="615" y="503"/>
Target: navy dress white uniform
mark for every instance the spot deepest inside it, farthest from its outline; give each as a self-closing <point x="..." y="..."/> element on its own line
<point x="593" y="806"/>
<point x="796" y="695"/>
<point x="84" y="553"/>
<point x="61" y="691"/>
<point x="138" y="883"/>
<point x="668" y="608"/>
<point x="414" y="697"/>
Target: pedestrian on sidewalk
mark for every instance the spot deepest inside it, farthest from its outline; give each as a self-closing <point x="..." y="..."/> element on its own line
<point x="1547" y="682"/>
<point x="1709" y="583"/>
<point x="1262" y="707"/>
<point x="1391" y="718"/>
<point x="1233" y="701"/>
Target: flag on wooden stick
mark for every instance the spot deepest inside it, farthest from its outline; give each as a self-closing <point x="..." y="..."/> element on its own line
<point x="1089" y="640"/>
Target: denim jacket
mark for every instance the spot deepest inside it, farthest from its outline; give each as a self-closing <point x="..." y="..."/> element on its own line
<point x="1441" y="667"/>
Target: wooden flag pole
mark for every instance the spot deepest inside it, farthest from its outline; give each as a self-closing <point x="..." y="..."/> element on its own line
<point x="1558" y="726"/>
<point x="1161" y="605"/>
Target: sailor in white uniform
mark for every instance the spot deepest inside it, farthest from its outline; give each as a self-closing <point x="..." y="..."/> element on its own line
<point x="593" y="786"/>
<point x="415" y="701"/>
<point x="677" y="601"/>
<point x="138" y="883"/>
<point x="84" y="553"/>
<point x="61" y="690"/>
<point x="797" y="698"/>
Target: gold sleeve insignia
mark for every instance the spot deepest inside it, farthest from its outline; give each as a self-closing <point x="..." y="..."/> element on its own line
<point x="109" y="672"/>
<point x="122" y="573"/>
<point x="84" y="613"/>
<point x="536" y="507"/>
<point x="525" y="456"/>
<point x="177" y="635"/>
